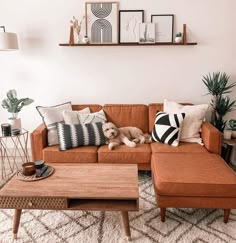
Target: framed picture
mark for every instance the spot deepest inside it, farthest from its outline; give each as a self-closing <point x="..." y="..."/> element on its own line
<point x="102" y="22"/>
<point x="147" y="33"/>
<point x="129" y="21"/>
<point x="164" y="27"/>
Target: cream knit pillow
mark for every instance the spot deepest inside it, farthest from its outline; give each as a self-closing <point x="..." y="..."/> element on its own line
<point x="194" y="116"/>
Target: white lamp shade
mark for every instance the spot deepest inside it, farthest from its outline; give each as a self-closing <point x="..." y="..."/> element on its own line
<point x="8" y="41"/>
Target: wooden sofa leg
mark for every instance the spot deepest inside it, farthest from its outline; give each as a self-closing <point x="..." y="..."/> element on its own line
<point x="163" y="214"/>
<point x="226" y="215"/>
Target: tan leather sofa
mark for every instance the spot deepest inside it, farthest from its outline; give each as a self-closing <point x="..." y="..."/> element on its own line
<point x="141" y="116"/>
<point x="189" y="175"/>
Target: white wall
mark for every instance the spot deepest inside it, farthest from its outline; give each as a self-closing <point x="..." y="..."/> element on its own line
<point x="51" y="74"/>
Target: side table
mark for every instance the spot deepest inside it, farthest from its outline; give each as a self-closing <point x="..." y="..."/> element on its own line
<point x="13" y="149"/>
<point x="229" y="146"/>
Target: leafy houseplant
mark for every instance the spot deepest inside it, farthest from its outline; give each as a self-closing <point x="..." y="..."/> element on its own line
<point x="217" y="85"/>
<point x="14" y="106"/>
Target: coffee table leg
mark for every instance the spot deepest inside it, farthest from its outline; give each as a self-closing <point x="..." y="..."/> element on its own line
<point x="16" y="222"/>
<point x="125" y="218"/>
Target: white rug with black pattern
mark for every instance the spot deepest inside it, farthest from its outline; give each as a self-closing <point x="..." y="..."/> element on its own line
<point x="182" y="225"/>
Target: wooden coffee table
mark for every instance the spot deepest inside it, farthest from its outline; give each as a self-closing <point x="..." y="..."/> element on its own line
<point x="98" y="187"/>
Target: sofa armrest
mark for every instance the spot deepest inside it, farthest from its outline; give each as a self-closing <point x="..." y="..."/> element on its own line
<point x="212" y="138"/>
<point x="38" y="140"/>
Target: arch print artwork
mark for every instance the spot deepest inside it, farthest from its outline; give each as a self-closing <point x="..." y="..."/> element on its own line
<point x="102" y="22"/>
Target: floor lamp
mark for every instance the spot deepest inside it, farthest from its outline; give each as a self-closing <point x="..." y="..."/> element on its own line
<point x="8" y="41"/>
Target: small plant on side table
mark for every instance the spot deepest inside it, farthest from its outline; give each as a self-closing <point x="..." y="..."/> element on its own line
<point x="14" y="105"/>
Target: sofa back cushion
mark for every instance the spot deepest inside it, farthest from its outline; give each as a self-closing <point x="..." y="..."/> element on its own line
<point x="92" y="107"/>
<point x="123" y="115"/>
<point x="152" y="110"/>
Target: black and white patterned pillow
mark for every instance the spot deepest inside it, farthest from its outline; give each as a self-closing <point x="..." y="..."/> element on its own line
<point x="167" y="127"/>
<point x="71" y="136"/>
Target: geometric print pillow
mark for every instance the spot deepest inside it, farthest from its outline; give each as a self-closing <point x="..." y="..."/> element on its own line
<point x="72" y="136"/>
<point x="167" y="128"/>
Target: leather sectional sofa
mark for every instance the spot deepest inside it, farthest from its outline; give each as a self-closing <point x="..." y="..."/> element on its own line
<point x="190" y="175"/>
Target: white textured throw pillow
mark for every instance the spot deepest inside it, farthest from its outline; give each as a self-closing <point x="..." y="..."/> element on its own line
<point x="194" y="116"/>
<point x="93" y="117"/>
<point x="72" y="117"/>
<point x="51" y="115"/>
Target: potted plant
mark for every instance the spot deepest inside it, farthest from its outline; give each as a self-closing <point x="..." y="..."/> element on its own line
<point x="14" y="106"/>
<point x="232" y="125"/>
<point x="217" y="85"/>
<point x="178" y="37"/>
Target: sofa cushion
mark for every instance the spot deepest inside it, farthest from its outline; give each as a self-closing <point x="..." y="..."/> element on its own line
<point x="167" y="128"/>
<point x="128" y="115"/>
<point x="72" y="117"/>
<point x="86" y="154"/>
<point x="194" y="116"/>
<point x="51" y="115"/>
<point x="124" y="154"/>
<point x="199" y="174"/>
<point x="72" y="136"/>
<point x="182" y="148"/>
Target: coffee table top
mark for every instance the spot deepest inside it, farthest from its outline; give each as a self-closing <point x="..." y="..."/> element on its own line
<point x="88" y="181"/>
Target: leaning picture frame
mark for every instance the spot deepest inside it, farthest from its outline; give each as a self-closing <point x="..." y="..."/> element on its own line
<point x="101" y="22"/>
<point x="164" y="27"/>
<point x="129" y="21"/>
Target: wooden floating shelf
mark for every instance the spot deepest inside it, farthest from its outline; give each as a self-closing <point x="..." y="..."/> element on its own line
<point x="133" y="44"/>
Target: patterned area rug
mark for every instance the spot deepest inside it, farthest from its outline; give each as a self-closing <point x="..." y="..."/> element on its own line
<point x="182" y="225"/>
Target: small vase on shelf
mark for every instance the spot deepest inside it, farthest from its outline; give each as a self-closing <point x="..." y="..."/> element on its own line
<point x="15" y="123"/>
<point x="85" y="40"/>
<point x="178" y="38"/>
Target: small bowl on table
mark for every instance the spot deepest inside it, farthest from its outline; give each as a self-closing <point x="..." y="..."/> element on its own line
<point x="28" y="169"/>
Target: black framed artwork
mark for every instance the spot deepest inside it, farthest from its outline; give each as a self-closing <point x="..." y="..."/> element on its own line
<point x="129" y="21"/>
<point x="164" y="27"/>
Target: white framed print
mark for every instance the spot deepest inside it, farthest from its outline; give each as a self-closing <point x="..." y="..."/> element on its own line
<point x="147" y="32"/>
<point x="164" y="27"/>
<point x="102" y="22"/>
<point x="129" y="21"/>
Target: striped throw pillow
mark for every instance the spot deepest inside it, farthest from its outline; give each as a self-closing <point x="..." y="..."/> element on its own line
<point x="72" y="136"/>
<point x="167" y="128"/>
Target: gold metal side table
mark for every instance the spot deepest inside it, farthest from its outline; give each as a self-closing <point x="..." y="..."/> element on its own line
<point x="13" y="149"/>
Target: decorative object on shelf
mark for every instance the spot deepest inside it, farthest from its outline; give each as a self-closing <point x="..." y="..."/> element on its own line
<point x="71" y="40"/>
<point x="85" y="40"/>
<point x="232" y="125"/>
<point x="164" y="27"/>
<point x="184" y="34"/>
<point x="129" y="21"/>
<point x="8" y="41"/>
<point x="178" y="37"/>
<point x="147" y="33"/>
<point x="76" y="26"/>
<point x="102" y="22"/>
<point x="227" y="134"/>
<point x="217" y="86"/>
<point x="14" y="106"/>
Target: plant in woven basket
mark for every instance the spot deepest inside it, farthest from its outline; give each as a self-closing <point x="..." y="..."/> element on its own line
<point x="217" y="86"/>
